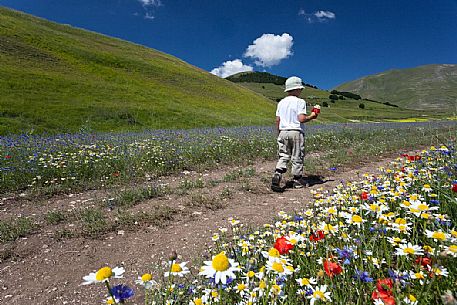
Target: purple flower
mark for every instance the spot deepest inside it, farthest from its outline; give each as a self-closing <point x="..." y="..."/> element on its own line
<point x="363" y="276"/>
<point x="346" y="254"/>
<point x="122" y="292"/>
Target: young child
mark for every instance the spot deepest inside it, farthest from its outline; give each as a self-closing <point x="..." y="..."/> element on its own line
<point x="290" y="119"/>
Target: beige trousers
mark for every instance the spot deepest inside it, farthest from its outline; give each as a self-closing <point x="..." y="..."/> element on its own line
<point x="291" y="147"/>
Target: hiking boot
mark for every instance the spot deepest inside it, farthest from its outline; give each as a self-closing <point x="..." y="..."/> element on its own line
<point x="276" y="183"/>
<point x="299" y="183"/>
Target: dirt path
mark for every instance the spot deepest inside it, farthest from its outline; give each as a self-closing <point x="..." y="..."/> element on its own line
<point x="46" y="270"/>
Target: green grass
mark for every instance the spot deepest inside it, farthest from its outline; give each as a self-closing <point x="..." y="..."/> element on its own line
<point x="346" y="110"/>
<point x="10" y="230"/>
<point x="56" y="78"/>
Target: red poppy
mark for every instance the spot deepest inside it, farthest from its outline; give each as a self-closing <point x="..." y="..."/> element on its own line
<point x="414" y="158"/>
<point x="283" y="245"/>
<point x="316" y="236"/>
<point x="116" y="174"/>
<point x="404" y="155"/>
<point x="454" y="187"/>
<point x="386" y="298"/>
<point x="332" y="268"/>
<point x="384" y="291"/>
<point x="8" y="157"/>
<point x="403" y="169"/>
<point x="364" y="196"/>
<point x="384" y="285"/>
<point x="424" y="261"/>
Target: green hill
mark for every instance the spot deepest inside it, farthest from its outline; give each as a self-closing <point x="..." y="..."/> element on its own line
<point x="56" y="78"/>
<point x="341" y="110"/>
<point x="430" y="87"/>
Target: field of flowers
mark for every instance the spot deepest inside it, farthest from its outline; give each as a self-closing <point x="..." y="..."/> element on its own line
<point x="71" y="161"/>
<point x="388" y="239"/>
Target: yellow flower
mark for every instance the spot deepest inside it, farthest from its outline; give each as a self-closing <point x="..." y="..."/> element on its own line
<point x="273" y="252"/>
<point x="220" y="262"/>
<point x="103" y="273"/>
<point x="146" y="277"/>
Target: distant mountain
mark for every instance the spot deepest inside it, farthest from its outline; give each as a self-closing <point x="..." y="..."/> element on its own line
<point x="272" y="86"/>
<point x="56" y="78"/>
<point x="430" y="87"/>
<point x="260" y="77"/>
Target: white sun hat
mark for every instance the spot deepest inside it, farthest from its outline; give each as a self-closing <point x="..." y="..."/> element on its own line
<point x="293" y="83"/>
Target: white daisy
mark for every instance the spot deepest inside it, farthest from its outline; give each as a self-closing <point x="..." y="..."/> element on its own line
<point x="280" y="267"/>
<point x="418" y="276"/>
<point x="437" y="235"/>
<point x="103" y="275"/>
<point x="146" y="281"/>
<point x="409" y="249"/>
<point x="439" y="270"/>
<point x="177" y="269"/>
<point x="220" y="267"/>
<point x="306" y="281"/>
<point x="319" y="293"/>
<point x="450" y="250"/>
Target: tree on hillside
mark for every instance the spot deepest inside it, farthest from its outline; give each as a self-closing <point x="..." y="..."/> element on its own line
<point x="347" y="94"/>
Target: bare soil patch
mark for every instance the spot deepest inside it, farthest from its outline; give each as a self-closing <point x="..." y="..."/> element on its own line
<point x="46" y="266"/>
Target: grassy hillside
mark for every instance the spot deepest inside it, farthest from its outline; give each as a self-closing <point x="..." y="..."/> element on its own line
<point x="55" y="78"/>
<point x="346" y="110"/>
<point x="430" y="87"/>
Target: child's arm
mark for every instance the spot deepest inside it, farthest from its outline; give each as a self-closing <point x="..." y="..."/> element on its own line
<point x="303" y="118"/>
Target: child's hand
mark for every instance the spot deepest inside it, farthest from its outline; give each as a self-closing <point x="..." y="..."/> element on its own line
<point x="316" y="109"/>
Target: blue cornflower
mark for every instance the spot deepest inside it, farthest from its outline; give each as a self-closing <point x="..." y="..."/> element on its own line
<point x="363" y="276"/>
<point x="399" y="276"/>
<point x="434" y="201"/>
<point x="309" y="291"/>
<point x="346" y="253"/>
<point x="280" y="280"/>
<point x="332" y="168"/>
<point x="122" y="292"/>
<point x="298" y="218"/>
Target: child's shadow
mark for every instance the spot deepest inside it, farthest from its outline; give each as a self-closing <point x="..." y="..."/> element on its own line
<point x="310" y="181"/>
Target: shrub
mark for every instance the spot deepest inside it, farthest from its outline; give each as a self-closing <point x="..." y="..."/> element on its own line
<point x="324" y="104"/>
<point x="362" y="106"/>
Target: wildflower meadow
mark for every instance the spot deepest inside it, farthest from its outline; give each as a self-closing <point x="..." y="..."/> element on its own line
<point x="63" y="162"/>
<point x="390" y="238"/>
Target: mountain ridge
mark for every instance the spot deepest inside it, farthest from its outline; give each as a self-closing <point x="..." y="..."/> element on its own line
<point x="426" y="87"/>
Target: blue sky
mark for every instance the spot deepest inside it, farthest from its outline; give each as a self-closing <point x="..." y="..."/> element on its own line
<point x="326" y="42"/>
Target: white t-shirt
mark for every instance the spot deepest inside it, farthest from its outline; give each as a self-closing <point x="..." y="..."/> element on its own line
<point x="288" y="110"/>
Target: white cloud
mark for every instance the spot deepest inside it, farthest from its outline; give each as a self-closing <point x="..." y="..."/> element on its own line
<point x="151" y="2"/>
<point x="149" y="16"/>
<point x="150" y="6"/>
<point x="324" y="14"/>
<point x="320" y="16"/>
<point x="231" y="67"/>
<point x="269" y="49"/>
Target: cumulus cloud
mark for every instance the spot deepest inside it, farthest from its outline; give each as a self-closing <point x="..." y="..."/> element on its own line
<point x="269" y="49"/>
<point x="319" y="16"/>
<point x="231" y="67"/>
